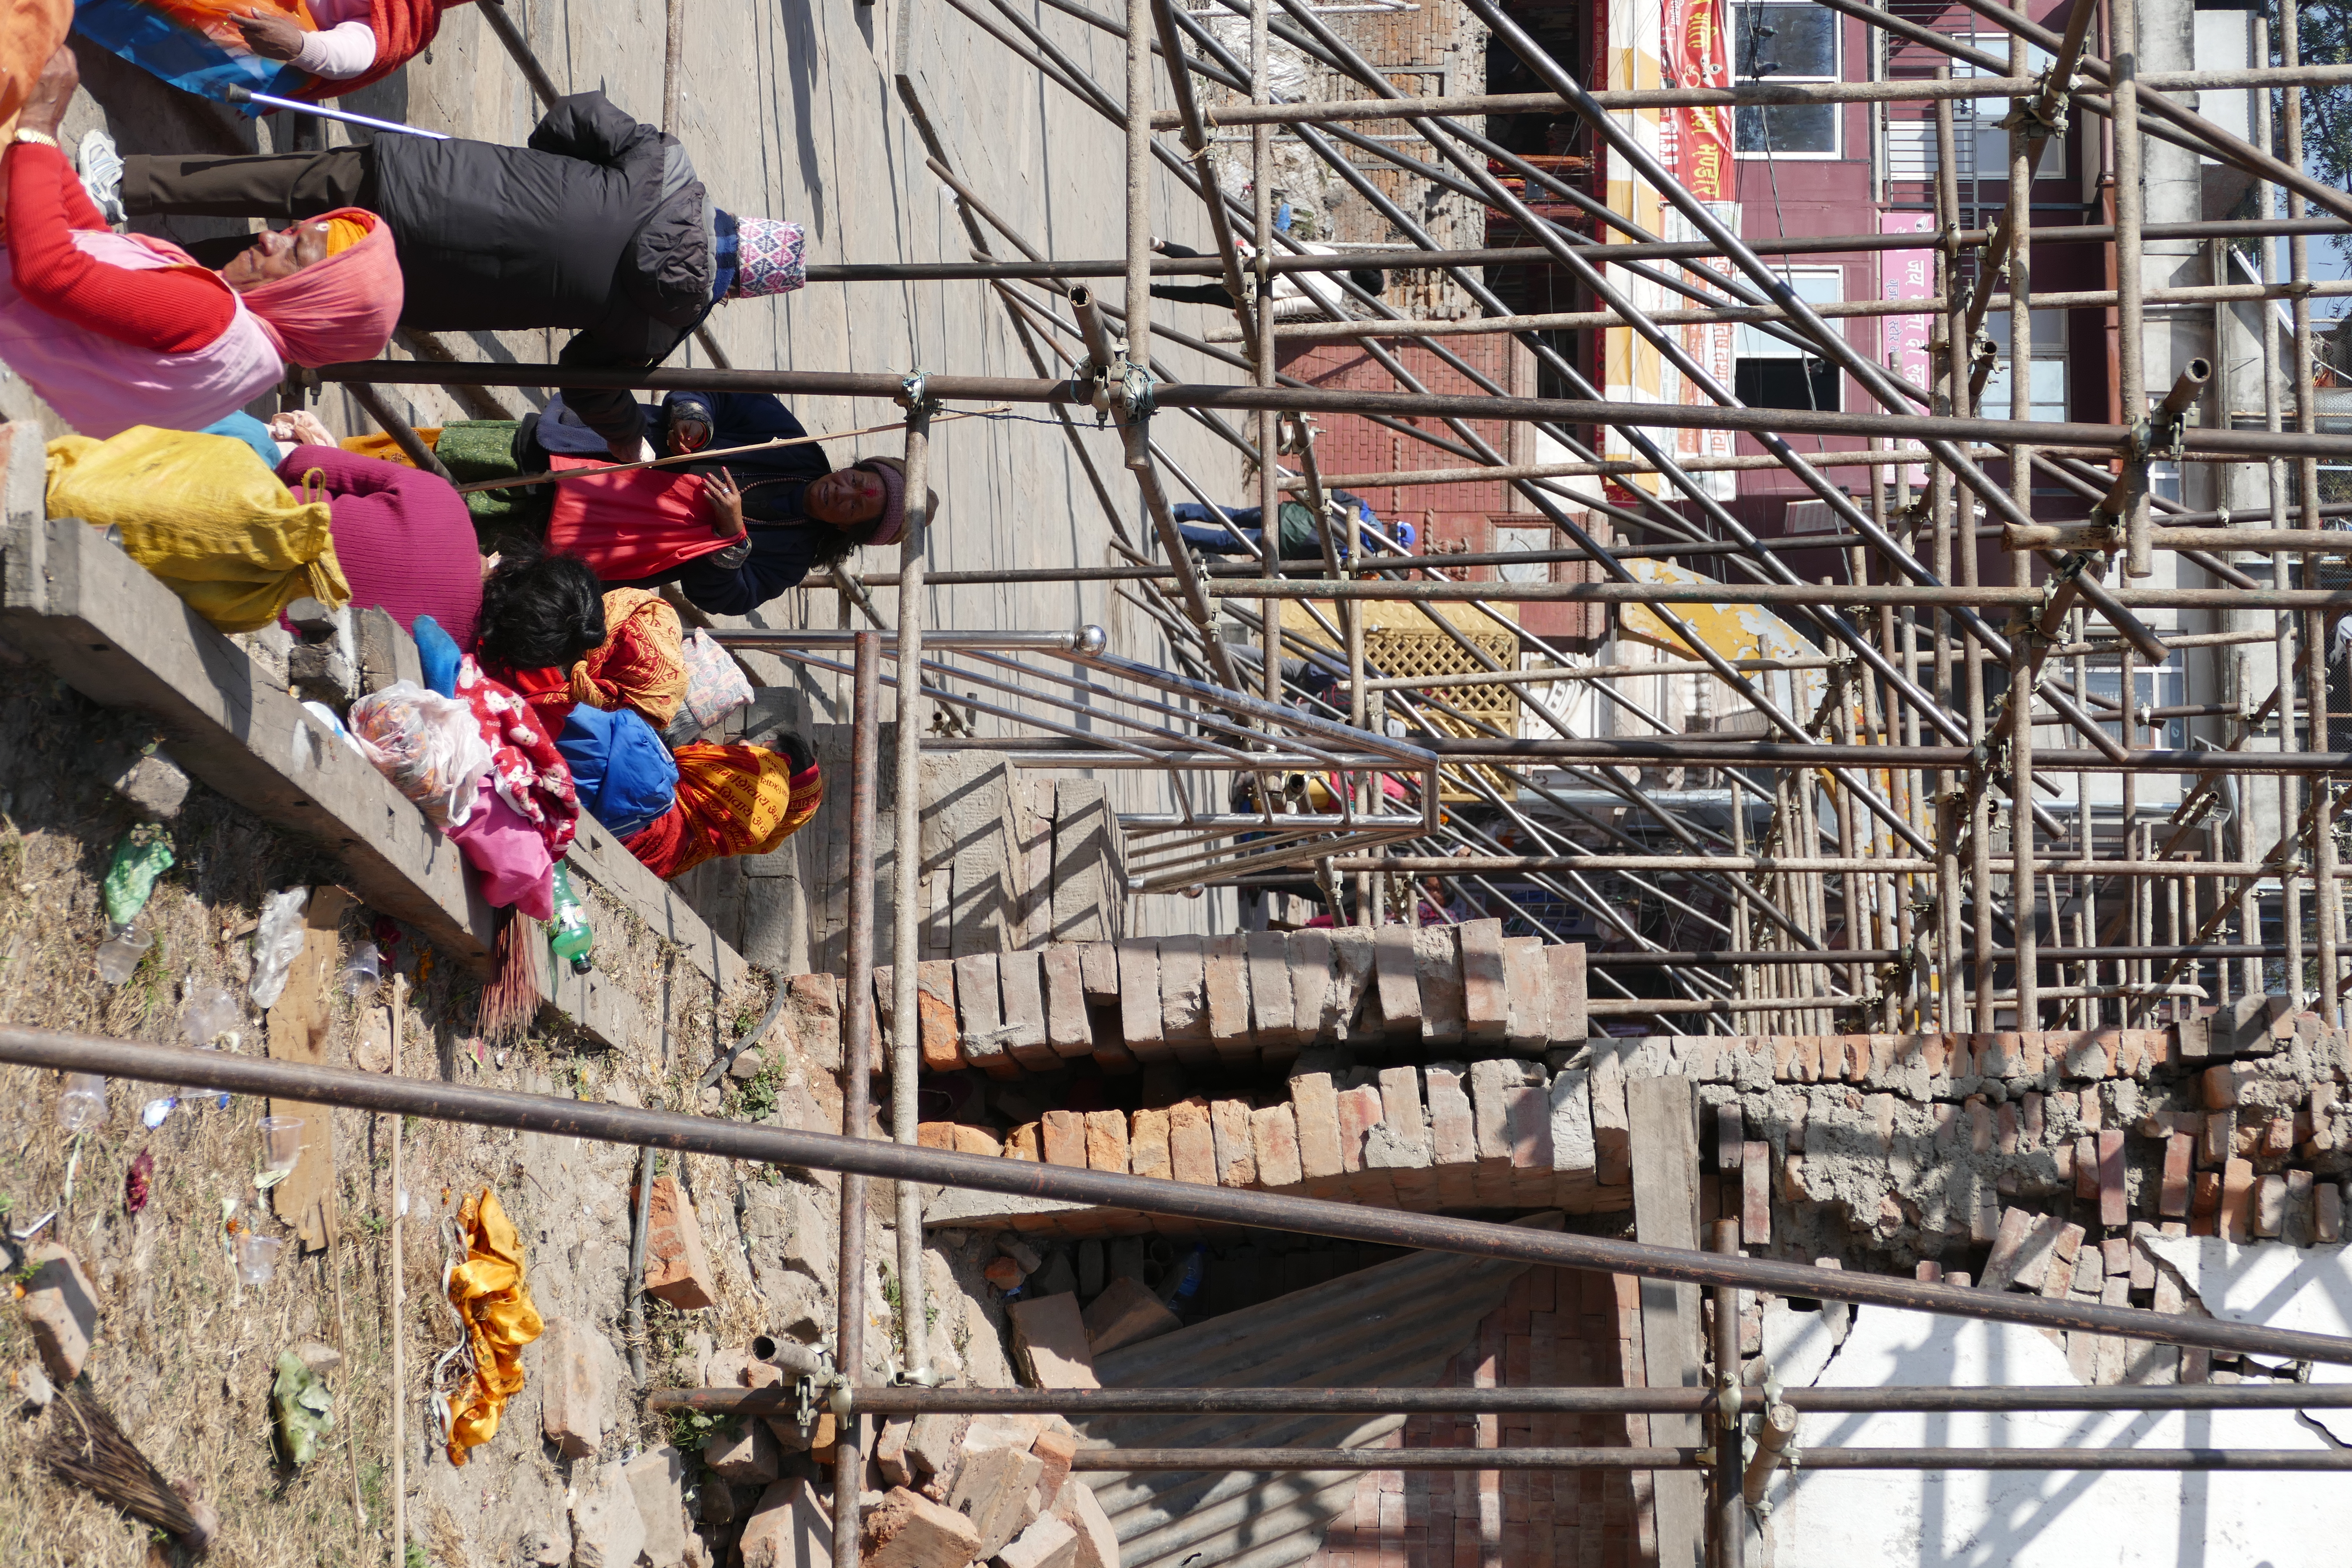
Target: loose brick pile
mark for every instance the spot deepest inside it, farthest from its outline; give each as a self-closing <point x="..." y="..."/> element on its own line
<point x="1245" y="1001"/>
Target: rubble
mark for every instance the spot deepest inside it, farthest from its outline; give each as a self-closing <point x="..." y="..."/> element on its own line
<point x="572" y="1387"/>
<point x="676" y="1269"/>
<point x="1050" y="1338"/>
<point x="996" y="1491"/>
<point x="607" y="1531"/>
<point x="906" y="1530"/>
<point x="61" y="1307"/>
<point x="792" y="1526"/>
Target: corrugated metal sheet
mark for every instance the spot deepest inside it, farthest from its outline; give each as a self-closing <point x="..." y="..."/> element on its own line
<point x="1396" y="1325"/>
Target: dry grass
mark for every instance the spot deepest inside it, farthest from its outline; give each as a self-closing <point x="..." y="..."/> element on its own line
<point x="185" y="1353"/>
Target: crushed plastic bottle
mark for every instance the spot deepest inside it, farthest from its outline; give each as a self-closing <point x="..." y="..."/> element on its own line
<point x="143" y="854"/>
<point x="276" y="943"/>
<point x="569" y="933"/>
<point x="82" y="1105"/>
<point x="362" y="974"/>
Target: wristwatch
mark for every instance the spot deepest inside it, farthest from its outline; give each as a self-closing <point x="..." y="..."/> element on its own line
<point x="39" y="138"/>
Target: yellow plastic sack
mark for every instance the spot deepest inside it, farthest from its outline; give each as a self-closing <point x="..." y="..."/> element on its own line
<point x="206" y="516"/>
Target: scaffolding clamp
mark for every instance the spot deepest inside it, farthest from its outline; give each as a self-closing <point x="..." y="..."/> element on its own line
<point x="914" y="392"/>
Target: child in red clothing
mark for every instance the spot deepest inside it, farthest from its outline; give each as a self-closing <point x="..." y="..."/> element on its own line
<point x="115" y="331"/>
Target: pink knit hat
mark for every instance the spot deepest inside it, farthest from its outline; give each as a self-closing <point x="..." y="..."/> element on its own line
<point x="344" y="307"/>
<point x="768" y="258"/>
<point x="892" y="472"/>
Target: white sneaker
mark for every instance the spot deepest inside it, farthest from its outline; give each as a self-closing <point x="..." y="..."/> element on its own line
<point x="101" y="167"/>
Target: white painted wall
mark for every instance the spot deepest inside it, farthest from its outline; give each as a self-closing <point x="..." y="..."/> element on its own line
<point x="2057" y="1519"/>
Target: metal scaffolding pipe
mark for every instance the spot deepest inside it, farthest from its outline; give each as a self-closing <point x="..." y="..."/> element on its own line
<point x="1310" y="400"/>
<point x="857" y="1059"/>
<point x="893" y="1162"/>
<point x="906" y="869"/>
<point x="1732" y="1516"/>
<point x="1900" y="90"/>
<point x="1083" y="1404"/>
<point x="1396" y="260"/>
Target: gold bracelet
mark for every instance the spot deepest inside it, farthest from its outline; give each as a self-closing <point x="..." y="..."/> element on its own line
<point x="39" y="138"/>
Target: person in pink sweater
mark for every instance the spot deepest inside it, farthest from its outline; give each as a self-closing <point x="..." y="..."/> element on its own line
<point x="402" y="537"/>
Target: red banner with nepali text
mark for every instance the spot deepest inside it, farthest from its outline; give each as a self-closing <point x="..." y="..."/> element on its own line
<point x="1696" y="55"/>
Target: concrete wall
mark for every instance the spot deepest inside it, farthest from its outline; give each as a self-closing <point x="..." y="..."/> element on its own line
<point x="2030" y="1519"/>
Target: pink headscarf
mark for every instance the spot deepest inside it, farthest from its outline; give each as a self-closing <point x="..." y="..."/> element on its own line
<point x="342" y="307"/>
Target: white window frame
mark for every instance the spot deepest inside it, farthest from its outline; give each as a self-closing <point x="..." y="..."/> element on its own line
<point x="1981" y="117"/>
<point x="1815" y="286"/>
<point x="1740" y="9"/>
<point x="2049" y="357"/>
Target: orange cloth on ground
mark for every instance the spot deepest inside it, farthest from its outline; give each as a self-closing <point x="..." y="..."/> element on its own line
<point x="30" y="32"/>
<point x="488" y="1292"/>
<point x="732" y="800"/>
<point x="385" y="450"/>
<point x="641" y="663"/>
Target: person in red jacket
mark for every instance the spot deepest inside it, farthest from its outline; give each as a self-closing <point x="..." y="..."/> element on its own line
<point x="117" y="330"/>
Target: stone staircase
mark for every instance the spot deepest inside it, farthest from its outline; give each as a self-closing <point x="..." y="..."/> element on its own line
<point x="1011" y="861"/>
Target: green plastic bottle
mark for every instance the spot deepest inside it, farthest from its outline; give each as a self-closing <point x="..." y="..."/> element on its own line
<point x="569" y="933"/>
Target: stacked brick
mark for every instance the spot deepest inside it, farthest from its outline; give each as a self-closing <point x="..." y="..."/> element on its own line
<point x="1499" y="1133"/>
<point x="1257" y="1000"/>
<point x="1556" y="1329"/>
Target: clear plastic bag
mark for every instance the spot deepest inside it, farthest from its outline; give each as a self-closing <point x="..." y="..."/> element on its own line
<point x="211" y="1012"/>
<point x="428" y="745"/>
<point x="277" y="942"/>
<point x="715" y="684"/>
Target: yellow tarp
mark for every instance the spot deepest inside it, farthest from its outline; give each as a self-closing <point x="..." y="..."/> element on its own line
<point x="488" y="1292"/>
<point x="1734" y="631"/>
<point x="206" y="516"/>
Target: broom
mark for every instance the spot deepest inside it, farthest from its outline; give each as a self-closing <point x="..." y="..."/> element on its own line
<point x="85" y="1448"/>
<point x="511" y="1001"/>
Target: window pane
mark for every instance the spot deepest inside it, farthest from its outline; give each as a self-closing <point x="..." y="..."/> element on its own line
<point x="1787" y="128"/>
<point x="1786" y="383"/>
<point x="1815" y="286"/>
<point x="1784" y="41"/>
<point x="2046" y="388"/>
<point x="2049" y="330"/>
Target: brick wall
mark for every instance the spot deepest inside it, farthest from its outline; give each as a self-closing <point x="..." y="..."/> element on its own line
<point x="1449" y="517"/>
<point x="1556" y="1329"/>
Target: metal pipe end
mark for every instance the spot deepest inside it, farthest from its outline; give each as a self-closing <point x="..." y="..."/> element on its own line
<point x="1089" y="641"/>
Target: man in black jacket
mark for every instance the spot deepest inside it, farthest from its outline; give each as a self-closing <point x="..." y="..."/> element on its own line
<point x="597" y="224"/>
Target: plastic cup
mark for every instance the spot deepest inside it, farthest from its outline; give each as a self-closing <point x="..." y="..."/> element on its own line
<point x="363" y="973"/>
<point x="281" y="1144"/>
<point x="118" y="958"/>
<point x="82" y="1106"/>
<point x="256" y="1257"/>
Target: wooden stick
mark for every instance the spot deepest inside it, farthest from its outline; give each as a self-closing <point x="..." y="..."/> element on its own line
<point x="335" y="1251"/>
<point x="399" y="1343"/>
<point x="722" y="452"/>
